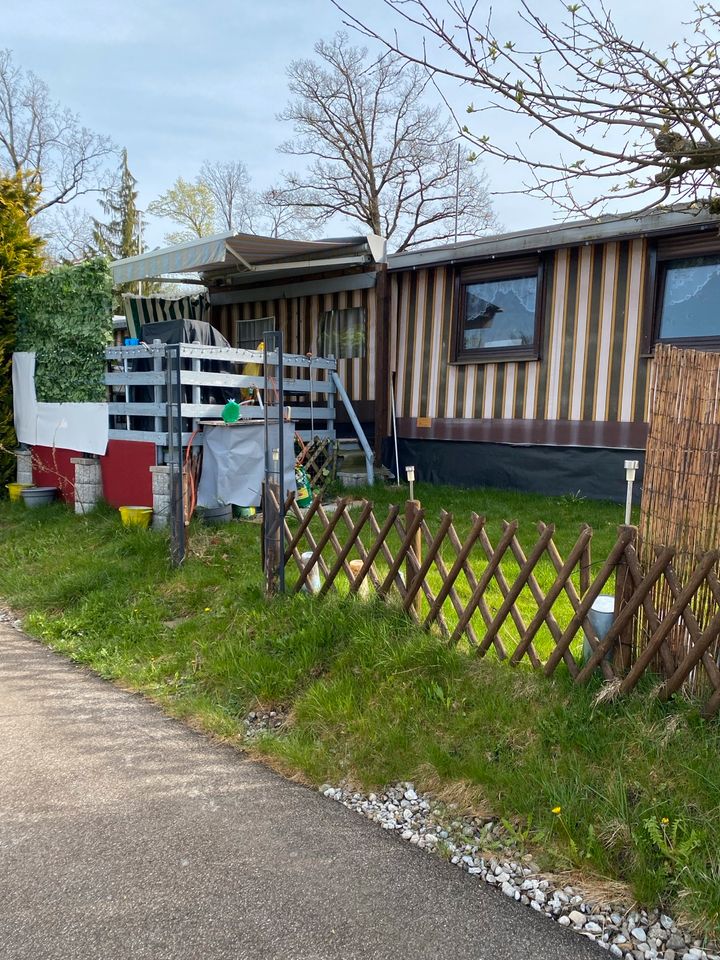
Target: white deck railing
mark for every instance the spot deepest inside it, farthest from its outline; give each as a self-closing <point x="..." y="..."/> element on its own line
<point x="138" y="397"/>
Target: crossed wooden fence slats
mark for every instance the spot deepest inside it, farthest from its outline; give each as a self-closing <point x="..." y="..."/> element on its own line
<point x="457" y="593"/>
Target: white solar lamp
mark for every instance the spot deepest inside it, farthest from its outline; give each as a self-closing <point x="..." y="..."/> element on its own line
<point x="410" y="474"/>
<point x="631" y="467"/>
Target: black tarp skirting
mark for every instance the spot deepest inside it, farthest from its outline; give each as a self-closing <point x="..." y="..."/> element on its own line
<point x="593" y="473"/>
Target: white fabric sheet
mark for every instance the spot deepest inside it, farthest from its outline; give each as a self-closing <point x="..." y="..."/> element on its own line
<point x="24" y="400"/>
<point x="73" y="426"/>
<point x="70" y="426"/>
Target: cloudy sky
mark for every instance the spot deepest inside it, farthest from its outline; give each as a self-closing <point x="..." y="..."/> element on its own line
<point x="180" y="82"/>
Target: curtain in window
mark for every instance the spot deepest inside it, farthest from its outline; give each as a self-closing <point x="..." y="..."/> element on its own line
<point x="343" y="333"/>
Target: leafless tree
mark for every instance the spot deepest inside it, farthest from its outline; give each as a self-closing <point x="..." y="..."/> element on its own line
<point x="67" y="233"/>
<point x="276" y="217"/>
<point x="630" y="124"/>
<point x="235" y="201"/>
<point x="46" y="142"/>
<point x="377" y="152"/>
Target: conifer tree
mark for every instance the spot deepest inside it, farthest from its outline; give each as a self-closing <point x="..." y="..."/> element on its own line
<point x="19" y="254"/>
<point x="120" y="235"/>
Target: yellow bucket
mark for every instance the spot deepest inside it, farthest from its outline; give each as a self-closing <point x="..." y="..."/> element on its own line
<point x="15" y="490"/>
<point x="136" y="516"/>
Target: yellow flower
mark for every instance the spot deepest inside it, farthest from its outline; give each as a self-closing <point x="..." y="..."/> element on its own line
<point x="207" y="609"/>
<point x="664" y="821"/>
<point x="557" y="811"/>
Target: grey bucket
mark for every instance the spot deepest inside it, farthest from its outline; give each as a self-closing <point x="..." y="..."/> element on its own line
<point x="601" y="616"/>
<point x="221" y="514"/>
<point x="38" y="496"/>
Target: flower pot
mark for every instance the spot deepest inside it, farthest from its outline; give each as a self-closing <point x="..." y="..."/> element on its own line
<point x="38" y="496"/>
<point x="136" y="516"/>
<point x="15" y="490"/>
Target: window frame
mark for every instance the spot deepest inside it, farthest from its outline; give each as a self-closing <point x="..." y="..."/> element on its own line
<point x="661" y="255"/>
<point x="269" y="318"/>
<point x="489" y="272"/>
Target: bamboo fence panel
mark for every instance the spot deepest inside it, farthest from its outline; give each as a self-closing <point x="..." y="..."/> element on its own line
<point x="681" y="494"/>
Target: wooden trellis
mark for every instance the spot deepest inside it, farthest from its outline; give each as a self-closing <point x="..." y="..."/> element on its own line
<point x="454" y="584"/>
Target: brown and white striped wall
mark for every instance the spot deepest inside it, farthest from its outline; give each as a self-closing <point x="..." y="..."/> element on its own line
<point x="588" y="388"/>
<point x="299" y="319"/>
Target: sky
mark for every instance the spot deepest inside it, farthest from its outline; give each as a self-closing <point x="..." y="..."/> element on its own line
<point x="179" y="82"/>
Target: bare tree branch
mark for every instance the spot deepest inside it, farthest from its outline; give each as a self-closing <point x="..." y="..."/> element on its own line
<point x="378" y="153"/>
<point x="46" y="143"/>
<point x="630" y="124"/>
<point x="229" y="183"/>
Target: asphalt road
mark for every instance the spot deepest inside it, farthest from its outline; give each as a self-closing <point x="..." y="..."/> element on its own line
<point x="125" y="835"/>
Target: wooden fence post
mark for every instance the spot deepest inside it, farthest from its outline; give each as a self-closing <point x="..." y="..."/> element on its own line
<point x="624" y="587"/>
<point x="412" y="508"/>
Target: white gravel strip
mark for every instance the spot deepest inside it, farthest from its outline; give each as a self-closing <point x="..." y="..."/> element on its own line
<point x="625" y="933"/>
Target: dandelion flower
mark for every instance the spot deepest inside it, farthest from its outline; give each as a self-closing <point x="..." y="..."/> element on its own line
<point x="557" y="811"/>
<point x="664" y="821"/>
<point x="207" y="609"/>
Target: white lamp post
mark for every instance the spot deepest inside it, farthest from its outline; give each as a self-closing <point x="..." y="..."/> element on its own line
<point x="630" y="467"/>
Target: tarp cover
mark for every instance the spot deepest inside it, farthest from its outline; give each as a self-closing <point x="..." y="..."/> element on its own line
<point x="233" y="468"/>
<point x="70" y="426"/>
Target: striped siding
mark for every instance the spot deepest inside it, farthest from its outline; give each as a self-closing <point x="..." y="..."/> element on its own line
<point x="590" y="366"/>
<point x="299" y="318"/>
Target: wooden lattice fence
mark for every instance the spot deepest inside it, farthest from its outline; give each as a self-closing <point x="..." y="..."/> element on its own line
<point x="515" y="604"/>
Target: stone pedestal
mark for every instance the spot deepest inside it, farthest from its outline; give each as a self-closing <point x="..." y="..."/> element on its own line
<point x="23" y="457"/>
<point x="161" y="496"/>
<point x="88" y="483"/>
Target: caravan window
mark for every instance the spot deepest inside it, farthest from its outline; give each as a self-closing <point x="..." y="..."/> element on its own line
<point x="498" y="311"/>
<point x="249" y="333"/>
<point x="689" y="295"/>
<point x="343" y="333"/>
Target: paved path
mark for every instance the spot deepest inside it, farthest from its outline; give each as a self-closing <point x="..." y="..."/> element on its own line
<point x="125" y="835"/>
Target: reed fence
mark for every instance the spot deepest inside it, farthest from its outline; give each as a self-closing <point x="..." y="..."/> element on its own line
<point x="522" y="605"/>
<point x="681" y="489"/>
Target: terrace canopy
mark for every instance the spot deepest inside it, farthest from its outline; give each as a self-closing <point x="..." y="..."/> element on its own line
<point x="237" y="257"/>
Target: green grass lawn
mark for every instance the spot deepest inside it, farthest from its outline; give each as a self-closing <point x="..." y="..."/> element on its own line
<point x="373" y="699"/>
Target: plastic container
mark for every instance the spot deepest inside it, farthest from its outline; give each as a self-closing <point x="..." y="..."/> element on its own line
<point x="231" y="412"/>
<point x="38" y="496"/>
<point x="601" y="616"/>
<point x="244" y="513"/>
<point x="304" y="492"/>
<point x="15" y="490"/>
<point x="136" y="516"/>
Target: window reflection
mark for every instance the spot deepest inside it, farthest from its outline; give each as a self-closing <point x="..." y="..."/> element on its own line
<point x="691" y="299"/>
<point x="500" y="313"/>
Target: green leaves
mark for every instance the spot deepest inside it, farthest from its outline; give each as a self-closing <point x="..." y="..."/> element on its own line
<point x="65" y="317"/>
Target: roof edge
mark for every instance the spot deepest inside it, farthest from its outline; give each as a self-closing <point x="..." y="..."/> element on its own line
<point x="536" y="239"/>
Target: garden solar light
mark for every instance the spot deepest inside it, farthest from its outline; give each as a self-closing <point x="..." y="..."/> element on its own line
<point x="410" y="473"/>
<point x="630" y="468"/>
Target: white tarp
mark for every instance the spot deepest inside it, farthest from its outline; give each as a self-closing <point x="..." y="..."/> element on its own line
<point x="24" y="401"/>
<point x="69" y="426"/>
<point x="233" y="467"/>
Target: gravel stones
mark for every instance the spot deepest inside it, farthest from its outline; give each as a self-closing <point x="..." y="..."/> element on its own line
<point x="258" y="722"/>
<point x="483" y="848"/>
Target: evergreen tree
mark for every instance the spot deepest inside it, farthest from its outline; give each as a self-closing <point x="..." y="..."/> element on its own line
<point x="19" y="254"/>
<point x="119" y="236"/>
